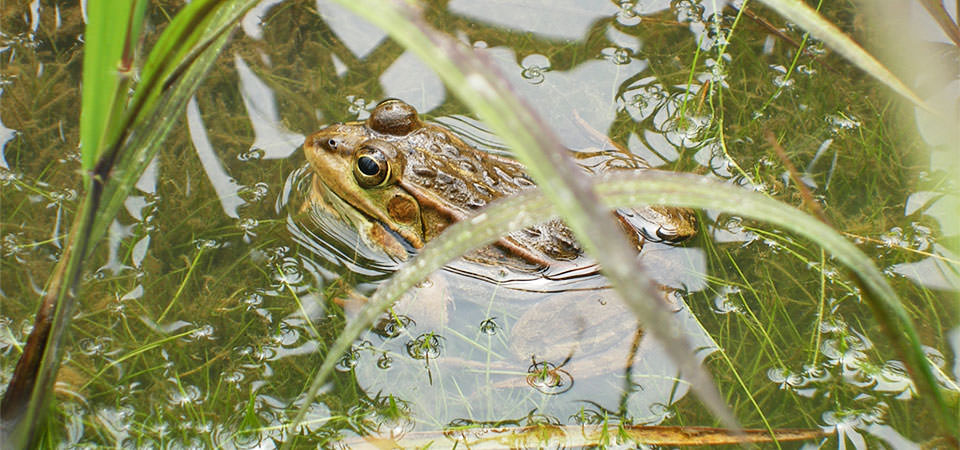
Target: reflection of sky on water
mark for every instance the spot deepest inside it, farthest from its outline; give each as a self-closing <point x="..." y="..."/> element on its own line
<point x="6" y="135"/>
<point x="410" y="79"/>
<point x="565" y="19"/>
<point x="358" y="35"/>
<point x="573" y="103"/>
<point x="224" y="185"/>
<point x="252" y="22"/>
<point x="270" y="136"/>
<point x="478" y="375"/>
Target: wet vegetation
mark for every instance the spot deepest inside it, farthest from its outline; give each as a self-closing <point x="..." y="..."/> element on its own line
<point x="207" y="311"/>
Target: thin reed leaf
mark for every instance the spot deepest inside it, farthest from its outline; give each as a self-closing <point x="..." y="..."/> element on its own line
<point x="106" y="72"/>
<point x="31" y="385"/>
<point x="809" y="20"/>
<point x="156" y="119"/>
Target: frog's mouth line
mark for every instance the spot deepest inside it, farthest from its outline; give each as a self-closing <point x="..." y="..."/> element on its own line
<point x="359" y="219"/>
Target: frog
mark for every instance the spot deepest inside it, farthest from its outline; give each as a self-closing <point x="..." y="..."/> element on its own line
<point x="400" y="181"/>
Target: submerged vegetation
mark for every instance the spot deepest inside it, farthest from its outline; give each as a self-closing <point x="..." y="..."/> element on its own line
<point x="205" y="318"/>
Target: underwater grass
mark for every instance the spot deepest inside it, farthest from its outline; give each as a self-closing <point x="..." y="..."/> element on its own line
<point x="755" y="292"/>
<point x="113" y="163"/>
<point x="809" y="20"/>
<point x="471" y="81"/>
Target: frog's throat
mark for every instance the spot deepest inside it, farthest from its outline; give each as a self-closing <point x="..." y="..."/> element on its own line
<point x="365" y="223"/>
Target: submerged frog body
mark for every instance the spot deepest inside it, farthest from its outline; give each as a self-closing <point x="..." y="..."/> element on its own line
<point x="400" y="180"/>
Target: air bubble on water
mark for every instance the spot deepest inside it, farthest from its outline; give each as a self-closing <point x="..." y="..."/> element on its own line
<point x="533" y="74"/>
<point x="252" y="154"/>
<point x="234" y="378"/>
<point x="718" y="72"/>
<point x="534" y="66"/>
<point x="549" y="379"/>
<point x="618" y="55"/>
<point x="7" y="177"/>
<point x="842" y="122"/>
<point x="357" y="104"/>
<point x="252" y="300"/>
<point x="205" y="332"/>
<point x="489" y="326"/>
<point x="61" y="196"/>
<point x="722" y="302"/>
<point x="628" y="15"/>
<point x="184" y="395"/>
<point x="815" y="49"/>
<point x="806" y="70"/>
<point x="254" y="193"/>
<point x="425" y="346"/>
<point x="286" y="335"/>
<point x="782" y="82"/>
<point x="784" y="378"/>
<point x="12" y="246"/>
<point x="688" y="11"/>
<point x="289" y="272"/>
<point x="893" y="238"/>
<point x="206" y="244"/>
<point x="922" y="238"/>
<point x="95" y="346"/>
<point x="348" y="361"/>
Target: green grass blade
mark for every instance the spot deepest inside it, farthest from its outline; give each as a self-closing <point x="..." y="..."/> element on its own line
<point x="106" y="70"/>
<point x="698" y="192"/>
<point x="118" y="163"/>
<point x="167" y="57"/>
<point x="818" y="27"/>
<point x="173" y="88"/>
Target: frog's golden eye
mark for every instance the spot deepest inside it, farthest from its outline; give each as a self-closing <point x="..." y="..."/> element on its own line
<point x="371" y="167"/>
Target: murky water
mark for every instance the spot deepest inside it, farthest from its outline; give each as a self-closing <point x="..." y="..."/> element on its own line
<point x="210" y="306"/>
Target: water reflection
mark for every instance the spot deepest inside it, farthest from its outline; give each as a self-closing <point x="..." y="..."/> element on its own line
<point x="554" y="353"/>
<point x="255" y="314"/>
<point x="561" y="19"/>
<point x="224" y="184"/>
<point x="358" y="35"/>
<point x="410" y="79"/>
<point x="271" y="137"/>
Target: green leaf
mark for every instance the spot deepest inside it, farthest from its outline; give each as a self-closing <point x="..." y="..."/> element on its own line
<point x="159" y="102"/>
<point x="106" y="71"/>
<point x="188" y="51"/>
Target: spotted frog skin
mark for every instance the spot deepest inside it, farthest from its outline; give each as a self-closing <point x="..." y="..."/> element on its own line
<point x="397" y="178"/>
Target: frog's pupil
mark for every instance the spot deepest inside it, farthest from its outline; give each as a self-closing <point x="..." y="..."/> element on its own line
<point x="332" y="143"/>
<point x="368" y="166"/>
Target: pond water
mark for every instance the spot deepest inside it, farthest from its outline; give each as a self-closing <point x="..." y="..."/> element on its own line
<point x="207" y="311"/>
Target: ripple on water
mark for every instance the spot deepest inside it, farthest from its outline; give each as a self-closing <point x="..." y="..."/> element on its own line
<point x="548" y="378"/>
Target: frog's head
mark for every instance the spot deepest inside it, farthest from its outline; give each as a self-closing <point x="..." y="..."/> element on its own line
<point x="358" y="177"/>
